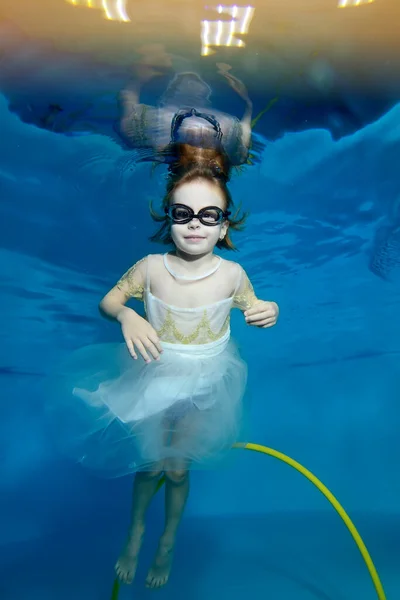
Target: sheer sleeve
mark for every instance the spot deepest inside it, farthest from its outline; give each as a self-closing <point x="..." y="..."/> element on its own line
<point x="244" y="297"/>
<point x="133" y="282"/>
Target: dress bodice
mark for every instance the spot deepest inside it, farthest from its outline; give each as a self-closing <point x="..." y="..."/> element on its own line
<point x="181" y="309"/>
<point x="178" y="325"/>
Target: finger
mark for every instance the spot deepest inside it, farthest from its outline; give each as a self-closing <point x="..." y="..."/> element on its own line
<point x="156" y="342"/>
<point x="253" y="310"/>
<point x="263" y="322"/>
<point x="152" y="349"/>
<point x="261" y="307"/>
<point x="266" y="323"/>
<point x="269" y="313"/>
<point x="269" y="324"/>
<point x="142" y="350"/>
<point x="260" y="316"/>
<point x="131" y="348"/>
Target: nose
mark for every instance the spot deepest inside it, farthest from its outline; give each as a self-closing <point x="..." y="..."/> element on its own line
<point x="194" y="224"/>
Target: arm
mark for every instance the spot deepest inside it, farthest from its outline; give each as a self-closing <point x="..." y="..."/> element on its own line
<point x="129" y="97"/>
<point x="137" y="332"/>
<point x="131" y="285"/>
<point x="133" y="114"/>
<point x="260" y="313"/>
<point x="239" y="87"/>
<point x="246" y="125"/>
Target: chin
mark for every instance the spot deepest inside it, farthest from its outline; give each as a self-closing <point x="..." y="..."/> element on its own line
<point x="196" y="248"/>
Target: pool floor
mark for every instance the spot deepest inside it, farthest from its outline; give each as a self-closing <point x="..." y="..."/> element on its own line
<point x="291" y="556"/>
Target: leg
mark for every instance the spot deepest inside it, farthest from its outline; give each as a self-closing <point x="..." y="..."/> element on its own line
<point x="143" y="491"/>
<point x="176" y="493"/>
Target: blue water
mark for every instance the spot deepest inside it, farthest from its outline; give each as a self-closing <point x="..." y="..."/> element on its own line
<point x="322" y="240"/>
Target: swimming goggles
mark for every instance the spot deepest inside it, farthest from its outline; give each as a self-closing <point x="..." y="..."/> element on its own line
<point x="181" y="115"/>
<point x="210" y="215"/>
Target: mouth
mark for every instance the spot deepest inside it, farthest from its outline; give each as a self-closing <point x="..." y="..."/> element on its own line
<point x="194" y="237"/>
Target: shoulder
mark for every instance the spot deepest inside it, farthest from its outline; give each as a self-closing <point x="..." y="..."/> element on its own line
<point x="155" y="256"/>
<point x="145" y="260"/>
<point x="232" y="267"/>
<point x="153" y="264"/>
<point x="134" y="269"/>
<point x="153" y="259"/>
<point x="233" y="270"/>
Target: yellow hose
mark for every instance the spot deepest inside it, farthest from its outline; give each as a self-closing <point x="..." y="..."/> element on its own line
<point x="331" y="498"/>
<point x="328" y="495"/>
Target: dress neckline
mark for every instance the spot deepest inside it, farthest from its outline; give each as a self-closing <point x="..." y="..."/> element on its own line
<point x="185" y="277"/>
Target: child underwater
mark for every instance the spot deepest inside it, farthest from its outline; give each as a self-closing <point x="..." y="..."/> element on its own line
<point x="169" y="399"/>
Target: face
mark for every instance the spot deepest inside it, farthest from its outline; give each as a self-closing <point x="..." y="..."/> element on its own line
<point x="195" y="238"/>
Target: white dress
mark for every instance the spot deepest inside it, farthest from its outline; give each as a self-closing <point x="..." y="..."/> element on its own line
<point x="117" y="415"/>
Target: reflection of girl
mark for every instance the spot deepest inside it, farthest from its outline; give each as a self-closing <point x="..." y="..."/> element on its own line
<point x="170" y="399"/>
<point x="185" y="116"/>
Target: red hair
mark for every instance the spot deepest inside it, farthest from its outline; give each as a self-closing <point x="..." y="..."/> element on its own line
<point x="184" y="157"/>
<point x="210" y="168"/>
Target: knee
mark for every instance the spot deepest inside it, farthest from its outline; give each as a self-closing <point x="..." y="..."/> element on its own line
<point x="177" y="476"/>
<point x="156" y="473"/>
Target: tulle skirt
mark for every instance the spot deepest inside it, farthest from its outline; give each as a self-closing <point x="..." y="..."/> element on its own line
<point x="117" y="415"/>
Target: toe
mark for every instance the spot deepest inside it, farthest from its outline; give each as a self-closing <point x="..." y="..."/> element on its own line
<point x="121" y="576"/>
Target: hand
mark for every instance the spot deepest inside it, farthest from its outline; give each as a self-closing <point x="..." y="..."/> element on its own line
<point x="262" y="314"/>
<point x="139" y="333"/>
<point x="235" y="83"/>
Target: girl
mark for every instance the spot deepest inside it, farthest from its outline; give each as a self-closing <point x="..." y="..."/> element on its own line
<point x="172" y="402"/>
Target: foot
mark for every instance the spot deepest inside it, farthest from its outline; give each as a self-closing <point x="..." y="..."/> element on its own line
<point x="127" y="562"/>
<point x="161" y="567"/>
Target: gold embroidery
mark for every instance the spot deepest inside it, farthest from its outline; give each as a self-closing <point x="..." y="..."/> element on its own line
<point x="170" y="333"/>
<point x="135" y="289"/>
<point x="247" y="298"/>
